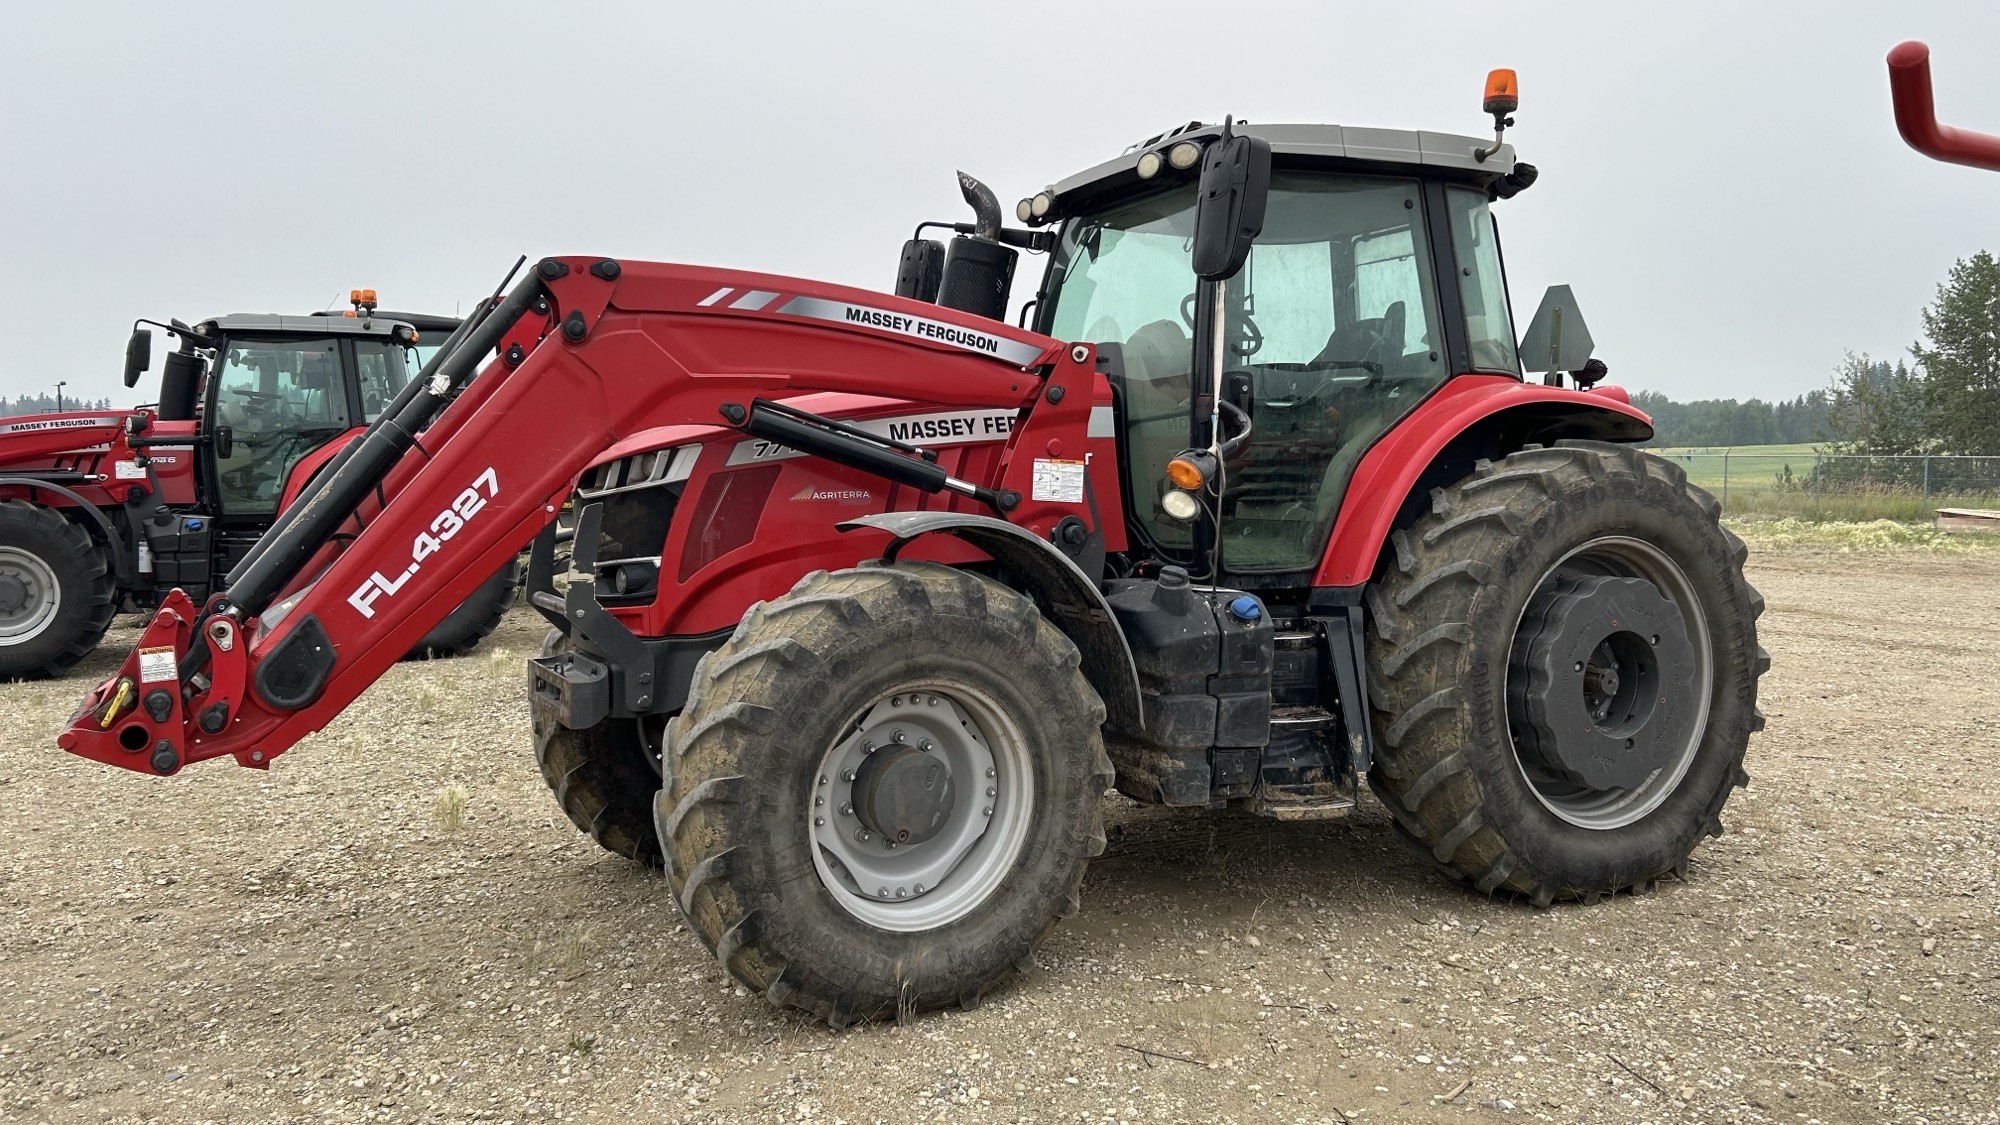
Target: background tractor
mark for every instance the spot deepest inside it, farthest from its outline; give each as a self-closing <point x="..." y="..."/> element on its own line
<point x="103" y="509"/>
<point x="870" y="597"/>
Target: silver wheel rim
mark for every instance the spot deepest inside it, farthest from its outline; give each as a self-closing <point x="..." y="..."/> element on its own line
<point x="913" y="887"/>
<point x="1606" y="809"/>
<point x="32" y="596"/>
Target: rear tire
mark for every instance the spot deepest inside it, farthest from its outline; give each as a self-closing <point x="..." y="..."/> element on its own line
<point x="463" y="628"/>
<point x="744" y="814"/>
<point x="1460" y="768"/>
<point x="56" y="590"/>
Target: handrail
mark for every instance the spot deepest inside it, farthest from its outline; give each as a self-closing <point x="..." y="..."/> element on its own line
<point x="1916" y="114"/>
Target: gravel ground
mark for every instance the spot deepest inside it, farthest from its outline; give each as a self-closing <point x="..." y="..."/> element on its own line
<point x="319" y="942"/>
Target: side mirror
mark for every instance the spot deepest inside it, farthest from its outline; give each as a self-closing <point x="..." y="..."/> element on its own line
<point x="224" y="440"/>
<point x="138" y="355"/>
<point x="1235" y="185"/>
<point x="1557" y="339"/>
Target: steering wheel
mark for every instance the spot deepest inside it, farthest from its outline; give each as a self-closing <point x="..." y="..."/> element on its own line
<point x="1251" y="341"/>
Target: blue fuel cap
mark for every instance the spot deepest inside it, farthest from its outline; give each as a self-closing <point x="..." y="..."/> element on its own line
<point x="1245" y="609"/>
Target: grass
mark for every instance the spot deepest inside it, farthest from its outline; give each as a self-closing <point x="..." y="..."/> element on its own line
<point x="1776" y="482"/>
<point x="449" y="807"/>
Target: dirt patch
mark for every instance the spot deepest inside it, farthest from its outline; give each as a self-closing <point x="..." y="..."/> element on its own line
<point x="350" y="937"/>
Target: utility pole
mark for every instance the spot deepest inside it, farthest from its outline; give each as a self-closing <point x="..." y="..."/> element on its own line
<point x="60" y="384"/>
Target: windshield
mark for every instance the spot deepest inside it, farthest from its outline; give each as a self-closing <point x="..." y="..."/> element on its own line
<point x="1332" y="324"/>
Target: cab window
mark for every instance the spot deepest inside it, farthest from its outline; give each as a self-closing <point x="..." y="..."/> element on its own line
<point x="280" y="400"/>
<point x="1482" y="285"/>
<point x="382" y="370"/>
<point x="1332" y="324"/>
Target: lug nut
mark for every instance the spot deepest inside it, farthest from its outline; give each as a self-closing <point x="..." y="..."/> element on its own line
<point x="989" y="771"/>
<point x="919" y="888"/>
<point x="847" y="775"/>
<point x="902" y="892"/>
<point x="898" y="736"/>
<point x="925" y="746"/>
<point x="863" y="836"/>
<point x="988" y="810"/>
<point x="817" y="801"/>
<point x="1579" y="665"/>
<point x="867" y="747"/>
<point x="822" y="779"/>
<point x="895" y="701"/>
<point x="933" y="701"/>
<point x="990" y="791"/>
<point x="847" y="809"/>
<point x="882" y="892"/>
<point x="819" y="822"/>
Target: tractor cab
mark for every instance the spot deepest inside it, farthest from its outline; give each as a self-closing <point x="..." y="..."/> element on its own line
<point x="1376" y="276"/>
<point x="268" y="391"/>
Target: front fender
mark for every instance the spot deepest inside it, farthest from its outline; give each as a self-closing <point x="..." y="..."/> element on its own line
<point x="1520" y="412"/>
<point x="1064" y="593"/>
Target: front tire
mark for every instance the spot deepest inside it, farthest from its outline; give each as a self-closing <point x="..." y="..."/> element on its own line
<point x="1521" y="749"/>
<point x="56" y="591"/>
<point x="961" y="687"/>
<point x="463" y="628"/>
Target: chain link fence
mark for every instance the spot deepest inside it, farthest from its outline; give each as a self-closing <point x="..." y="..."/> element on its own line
<point x="1759" y="482"/>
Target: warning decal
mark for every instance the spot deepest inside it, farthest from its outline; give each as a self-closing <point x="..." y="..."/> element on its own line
<point x="156" y="665"/>
<point x="1058" y="482"/>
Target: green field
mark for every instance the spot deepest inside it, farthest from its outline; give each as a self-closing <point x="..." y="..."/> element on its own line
<point x="1795" y="481"/>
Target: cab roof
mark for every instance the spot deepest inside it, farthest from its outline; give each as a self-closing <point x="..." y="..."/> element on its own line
<point x="1377" y="150"/>
<point x="321" y="324"/>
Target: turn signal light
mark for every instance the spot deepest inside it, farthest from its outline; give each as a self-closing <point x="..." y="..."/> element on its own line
<point x="1503" y="91"/>
<point x="1190" y="470"/>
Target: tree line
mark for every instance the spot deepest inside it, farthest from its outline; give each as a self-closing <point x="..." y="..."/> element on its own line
<point x="1725" y="421"/>
<point x="46" y="403"/>
<point x="1944" y="399"/>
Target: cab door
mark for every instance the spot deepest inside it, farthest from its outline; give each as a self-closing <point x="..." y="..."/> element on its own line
<point x="281" y="398"/>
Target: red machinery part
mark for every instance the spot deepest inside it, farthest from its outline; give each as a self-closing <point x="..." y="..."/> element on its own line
<point x="1916" y="114"/>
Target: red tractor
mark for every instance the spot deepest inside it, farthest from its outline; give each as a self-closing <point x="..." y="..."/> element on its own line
<point x="105" y="509"/>
<point x="870" y="597"/>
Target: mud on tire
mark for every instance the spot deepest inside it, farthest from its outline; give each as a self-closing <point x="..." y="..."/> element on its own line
<point x="40" y="539"/>
<point x="602" y="779"/>
<point x="1442" y="622"/>
<point x="792" y="683"/>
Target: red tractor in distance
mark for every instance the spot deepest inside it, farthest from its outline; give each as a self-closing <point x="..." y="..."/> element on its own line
<point x="870" y="597"/>
<point x="105" y="509"/>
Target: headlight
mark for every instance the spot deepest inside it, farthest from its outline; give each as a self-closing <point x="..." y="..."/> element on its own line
<point x="1184" y="155"/>
<point x="1180" y="505"/>
<point x="1149" y="165"/>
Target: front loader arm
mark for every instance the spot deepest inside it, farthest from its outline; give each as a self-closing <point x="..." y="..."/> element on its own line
<point x="308" y="623"/>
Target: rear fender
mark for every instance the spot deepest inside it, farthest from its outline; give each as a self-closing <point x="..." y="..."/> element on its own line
<point x="1066" y="596"/>
<point x="1471" y="417"/>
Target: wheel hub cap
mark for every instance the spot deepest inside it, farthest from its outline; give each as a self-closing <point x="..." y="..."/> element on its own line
<point x="903" y="794"/>
<point x="1601" y="675"/>
<point x="13" y="595"/>
<point x="920" y="810"/>
<point x="29" y="596"/>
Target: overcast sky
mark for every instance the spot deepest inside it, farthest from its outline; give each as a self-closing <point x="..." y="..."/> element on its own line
<point x="1721" y="183"/>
